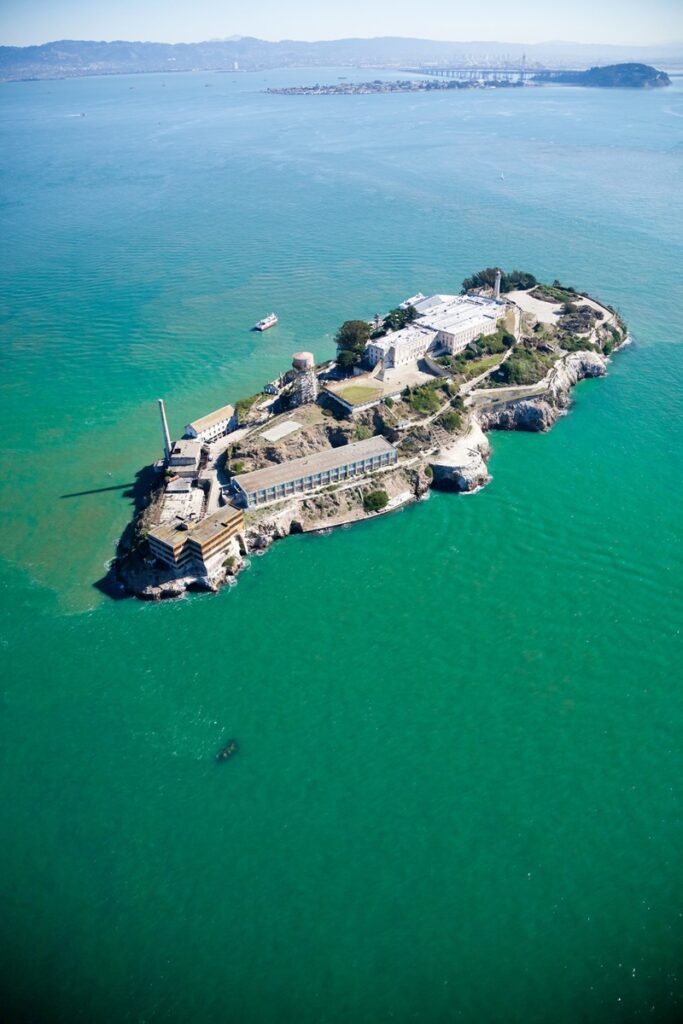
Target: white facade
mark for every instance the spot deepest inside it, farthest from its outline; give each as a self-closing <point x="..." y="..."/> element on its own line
<point x="445" y="323"/>
<point x="215" y="425"/>
<point x="400" y="347"/>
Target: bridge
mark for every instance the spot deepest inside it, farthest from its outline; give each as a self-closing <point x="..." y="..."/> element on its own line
<point x="468" y="73"/>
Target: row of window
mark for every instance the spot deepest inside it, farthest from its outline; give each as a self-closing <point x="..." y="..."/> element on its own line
<point x="328" y="476"/>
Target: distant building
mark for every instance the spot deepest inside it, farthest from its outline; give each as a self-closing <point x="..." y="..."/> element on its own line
<point x="199" y="546"/>
<point x="298" y="476"/>
<point x="445" y="323"/>
<point x="214" y="425"/>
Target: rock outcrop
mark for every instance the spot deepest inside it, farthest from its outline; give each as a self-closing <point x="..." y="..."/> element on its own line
<point x="540" y="413"/>
<point x="462" y="465"/>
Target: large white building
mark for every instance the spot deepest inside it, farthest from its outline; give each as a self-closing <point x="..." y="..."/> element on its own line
<point x="445" y="323"/>
<point x="214" y="425"/>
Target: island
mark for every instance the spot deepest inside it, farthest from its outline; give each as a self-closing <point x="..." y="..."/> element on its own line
<point x="405" y="406"/>
<point x="613" y="76"/>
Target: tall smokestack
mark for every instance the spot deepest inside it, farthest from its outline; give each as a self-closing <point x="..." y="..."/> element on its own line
<point x="164" y="427"/>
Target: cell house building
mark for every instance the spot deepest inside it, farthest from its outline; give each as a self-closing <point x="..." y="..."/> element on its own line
<point x="299" y="476"/>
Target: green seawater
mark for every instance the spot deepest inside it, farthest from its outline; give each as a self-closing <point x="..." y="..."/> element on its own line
<point x="458" y="790"/>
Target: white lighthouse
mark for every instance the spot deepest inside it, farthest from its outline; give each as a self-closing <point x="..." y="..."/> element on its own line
<point x="496" y="287"/>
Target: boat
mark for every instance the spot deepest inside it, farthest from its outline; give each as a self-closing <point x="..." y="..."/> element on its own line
<point x="268" y="321"/>
<point x="226" y="752"/>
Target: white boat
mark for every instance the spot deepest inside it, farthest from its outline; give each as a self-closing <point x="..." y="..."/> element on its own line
<point x="268" y="321"/>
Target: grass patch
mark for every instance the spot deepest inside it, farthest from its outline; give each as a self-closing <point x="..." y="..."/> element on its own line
<point x="358" y="394"/>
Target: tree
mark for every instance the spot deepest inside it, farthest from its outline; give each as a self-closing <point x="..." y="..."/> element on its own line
<point x="347" y="359"/>
<point x="353" y="335"/>
<point x="375" y="500"/>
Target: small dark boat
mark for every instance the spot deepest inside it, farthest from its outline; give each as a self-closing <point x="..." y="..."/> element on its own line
<point x="227" y="751"/>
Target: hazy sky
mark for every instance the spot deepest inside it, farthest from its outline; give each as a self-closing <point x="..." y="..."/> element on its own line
<point x="617" y="21"/>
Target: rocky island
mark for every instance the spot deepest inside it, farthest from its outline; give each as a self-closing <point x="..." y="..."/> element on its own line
<point x="405" y="406"/>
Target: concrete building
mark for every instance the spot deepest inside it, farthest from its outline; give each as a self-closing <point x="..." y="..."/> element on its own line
<point x="459" y="319"/>
<point x="299" y="476"/>
<point x="184" y="458"/>
<point x="214" y="425"/>
<point x="445" y="324"/>
<point x="196" y="546"/>
<point x="400" y="347"/>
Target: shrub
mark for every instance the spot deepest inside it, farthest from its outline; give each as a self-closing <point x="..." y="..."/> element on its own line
<point x="451" y="421"/>
<point x="237" y="467"/>
<point x="362" y="433"/>
<point x="375" y="501"/>
<point x="389" y="402"/>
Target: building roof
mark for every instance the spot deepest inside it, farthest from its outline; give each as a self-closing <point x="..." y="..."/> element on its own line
<point x="201" y="530"/>
<point x="225" y="412"/>
<point x="187" y="449"/>
<point x="214" y="524"/>
<point x="331" y="458"/>
<point x="451" y="313"/>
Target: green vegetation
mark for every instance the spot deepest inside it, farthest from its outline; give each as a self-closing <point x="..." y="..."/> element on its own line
<point x="451" y="421"/>
<point x="509" y="282"/>
<point x="237" y="467"/>
<point x="555" y="292"/>
<point x="611" y="76"/>
<point x="375" y="501"/>
<point x="425" y="399"/>
<point x="358" y="394"/>
<point x="525" y="366"/>
<point x="398" y="318"/>
<point x="351" y="339"/>
<point x="474" y="359"/>
<point x="389" y="402"/>
<point x="473" y="369"/>
<point x="243" y="406"/>
<point x="229" y="562"/>
<point x="362" y="433"/>
<point x="571" y="343"/>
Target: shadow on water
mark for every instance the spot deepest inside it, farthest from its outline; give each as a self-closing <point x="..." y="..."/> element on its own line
<point x="138" y="493"/>
<point x="98" y="490"/>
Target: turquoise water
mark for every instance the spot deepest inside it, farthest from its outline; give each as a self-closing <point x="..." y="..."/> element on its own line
<point x="458" y="793"/>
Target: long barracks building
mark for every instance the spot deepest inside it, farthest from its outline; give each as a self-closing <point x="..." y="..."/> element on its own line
<point x="298" y="476"/>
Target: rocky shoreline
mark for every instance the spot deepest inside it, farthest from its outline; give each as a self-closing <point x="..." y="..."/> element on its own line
<point x="457" y="463"/>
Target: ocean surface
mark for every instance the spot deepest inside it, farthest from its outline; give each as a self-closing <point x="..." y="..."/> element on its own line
<point x="458" y="791"/>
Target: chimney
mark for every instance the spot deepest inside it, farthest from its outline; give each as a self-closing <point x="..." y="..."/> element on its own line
<point x="164" y="427"/>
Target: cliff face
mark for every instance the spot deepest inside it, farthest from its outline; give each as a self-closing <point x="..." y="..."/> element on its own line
<point x="538" y="414"/>
<point x="462" y="465"/>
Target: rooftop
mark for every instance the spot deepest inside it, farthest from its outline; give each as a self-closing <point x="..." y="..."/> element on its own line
<point x="204" y="422"/>
<point x="201" y="531"/>
<point x="454" y="312"/>
<point x="186" y="449"/>
<point x="331" y="458"/>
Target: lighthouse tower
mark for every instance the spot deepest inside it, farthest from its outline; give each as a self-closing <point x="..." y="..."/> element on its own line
<point x="496" y="287"/>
